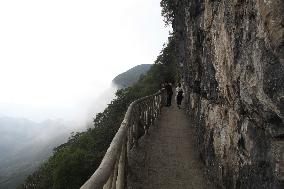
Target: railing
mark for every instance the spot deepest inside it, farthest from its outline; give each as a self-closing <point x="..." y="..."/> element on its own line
<point x="141" y="114"/>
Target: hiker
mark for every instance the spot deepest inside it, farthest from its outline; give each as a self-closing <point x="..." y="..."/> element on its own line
<point x="179" y="95"/>
<point x="169" y="91"/>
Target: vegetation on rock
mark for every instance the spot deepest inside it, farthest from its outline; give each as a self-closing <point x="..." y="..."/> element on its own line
<point x="168" y="10"/>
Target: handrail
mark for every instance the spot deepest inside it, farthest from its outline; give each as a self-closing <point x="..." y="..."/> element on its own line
<point x="140" y="115"/>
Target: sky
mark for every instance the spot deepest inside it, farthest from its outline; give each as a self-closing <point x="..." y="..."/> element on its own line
<point x="57" y="56"/>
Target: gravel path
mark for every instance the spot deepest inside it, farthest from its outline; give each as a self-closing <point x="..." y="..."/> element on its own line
<point x="167" y="158"/>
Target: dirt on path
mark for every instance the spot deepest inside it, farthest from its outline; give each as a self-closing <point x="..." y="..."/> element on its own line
<point x="167" y="158"/>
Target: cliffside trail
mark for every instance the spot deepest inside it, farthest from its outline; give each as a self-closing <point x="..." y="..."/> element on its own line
<point x="168" y="158"/>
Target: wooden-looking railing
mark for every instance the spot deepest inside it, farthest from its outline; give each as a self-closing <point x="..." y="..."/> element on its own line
<point x="141" y="114"/>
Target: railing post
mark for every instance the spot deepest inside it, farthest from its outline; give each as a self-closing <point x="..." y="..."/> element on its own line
<point x="153" y="111"/>
<point x="129" y="138"/>
<point x="156" y="106"/>
<point x="121" y="169"/>
<point x="135" y="132"/>
<point x="113" y="186"/>
<point x="112" y="172"/>
<point x="109" y="182"/>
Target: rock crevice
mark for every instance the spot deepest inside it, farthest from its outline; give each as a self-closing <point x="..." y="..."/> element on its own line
<point x="231" y="55"/>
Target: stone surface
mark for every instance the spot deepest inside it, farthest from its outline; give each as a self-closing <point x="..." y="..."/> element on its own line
<point x="232" y="57"/>
<point x="168" y="158"/>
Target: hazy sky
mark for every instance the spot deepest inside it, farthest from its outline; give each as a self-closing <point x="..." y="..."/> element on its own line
<point x="55" y="54"/>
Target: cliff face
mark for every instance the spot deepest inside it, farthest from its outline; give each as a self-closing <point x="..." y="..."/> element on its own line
<point x="231" y="55"/>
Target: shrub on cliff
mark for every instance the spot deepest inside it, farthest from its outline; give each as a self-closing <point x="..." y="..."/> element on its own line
<point x="168" y="10"/>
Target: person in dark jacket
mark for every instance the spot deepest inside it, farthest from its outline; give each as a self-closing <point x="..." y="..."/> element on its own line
<point x="169" y="91"/>
<point x="179" y="95"/>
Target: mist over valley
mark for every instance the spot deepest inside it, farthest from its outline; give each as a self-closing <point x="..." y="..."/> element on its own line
<point x="58" y="60"/>
<point x="26" y="143"/>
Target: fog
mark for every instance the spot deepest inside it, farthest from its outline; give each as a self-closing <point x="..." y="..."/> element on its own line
<point x="79" y="110"/>
<point x="58" y="56"/>
<point x="57" y="60"/>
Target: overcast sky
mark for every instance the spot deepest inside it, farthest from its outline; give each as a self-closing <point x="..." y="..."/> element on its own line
<point x="54" y="54"/>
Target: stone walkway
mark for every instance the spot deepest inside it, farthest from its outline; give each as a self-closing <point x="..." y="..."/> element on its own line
<point x="168" y="158"/>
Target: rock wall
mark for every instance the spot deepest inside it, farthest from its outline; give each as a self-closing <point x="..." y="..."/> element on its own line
<point x="231" y="56"/>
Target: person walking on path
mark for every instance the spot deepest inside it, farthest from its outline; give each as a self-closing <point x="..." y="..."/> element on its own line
<point x="169" y="90"/>
<point x="179" y="95"/>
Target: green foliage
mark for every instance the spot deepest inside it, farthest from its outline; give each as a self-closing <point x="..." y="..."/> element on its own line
<point x="75" y="161"/>
<point x="168" y="10"/>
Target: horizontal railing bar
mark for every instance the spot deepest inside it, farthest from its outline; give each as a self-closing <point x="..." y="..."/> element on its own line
<point x="102" y="174"/>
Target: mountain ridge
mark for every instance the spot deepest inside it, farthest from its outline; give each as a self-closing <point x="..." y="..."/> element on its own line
<point x="131" y="76"/>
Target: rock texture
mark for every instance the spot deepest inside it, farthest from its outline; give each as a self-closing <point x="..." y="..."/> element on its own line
<point x="231" y="55"/>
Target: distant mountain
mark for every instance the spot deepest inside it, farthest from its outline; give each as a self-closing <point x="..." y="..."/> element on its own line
<point x="24" y="145"/>
<point x="131" y="76"/>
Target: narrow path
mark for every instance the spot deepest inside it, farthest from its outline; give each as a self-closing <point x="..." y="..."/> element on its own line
<point x="168" y="158"/>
